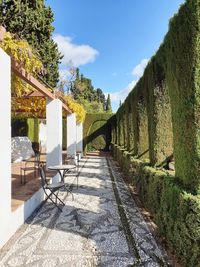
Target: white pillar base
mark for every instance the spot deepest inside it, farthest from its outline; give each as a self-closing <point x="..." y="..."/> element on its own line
<point x="54" y="132"/>
<point x="71" y="135"/>
<point x="5" y="145"/>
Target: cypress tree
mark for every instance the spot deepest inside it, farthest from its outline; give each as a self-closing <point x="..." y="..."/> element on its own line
<point x="108" y="105"/>
<point x="32" y="20"/>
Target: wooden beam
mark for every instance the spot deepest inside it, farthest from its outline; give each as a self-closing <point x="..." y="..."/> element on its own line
<point x="34" y="93"/>
<point x="19" y="71"/>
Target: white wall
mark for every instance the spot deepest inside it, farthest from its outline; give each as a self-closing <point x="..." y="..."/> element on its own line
<point x="79" y="138"/>
<point x="5" y="145"/>
<point x="11" y="221"/>
<point x="43" y="135"/>
<point x="71" y="134"/>
<point x="54" y="132"/>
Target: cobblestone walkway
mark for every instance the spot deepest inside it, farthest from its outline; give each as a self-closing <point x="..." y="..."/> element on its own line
<point x="101" y="227"/>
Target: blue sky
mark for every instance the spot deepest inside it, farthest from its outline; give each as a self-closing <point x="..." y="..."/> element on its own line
<point x="111" y="40"/>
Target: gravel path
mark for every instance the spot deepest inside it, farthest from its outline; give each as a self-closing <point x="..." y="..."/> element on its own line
<point x="102" y="226"/>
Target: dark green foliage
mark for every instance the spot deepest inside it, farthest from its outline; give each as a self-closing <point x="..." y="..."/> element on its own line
<point x="108" y="105"/>
<point x="25" y="127"/>
<point x="97" y="132"/>
<point x="142" y="122"/>
<point x="98" y="143"/>
<point x="176" y="212"/>
<point x="162" y="116"/>
<point x="30" y="127"/>
<point x="32" y="20"/>
<point x="135" y="132"/>
<point x="19" y="127"/>
<point x="159" y="112"/>
<point x="132" y="123"/>
<point x="64" y="134"/>
<point x="182" y="48"/>
<point x="165" y="102"/>
<point x="84" y="93"/>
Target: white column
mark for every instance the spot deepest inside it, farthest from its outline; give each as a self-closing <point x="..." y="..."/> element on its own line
<point x="54" y="132"/>
<point x="5" y="145"/>
<point x="79" y="138"/>
<point x="71" y="135"/>
<point x="43" y="135"/>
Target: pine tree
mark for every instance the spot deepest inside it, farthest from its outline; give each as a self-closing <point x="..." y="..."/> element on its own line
<point x="32" y="20"/>
<point x="108" y="105"/>
<point x="84" y="92"/>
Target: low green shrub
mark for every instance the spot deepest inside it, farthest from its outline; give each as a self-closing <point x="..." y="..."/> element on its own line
<point x="175" y="211"/>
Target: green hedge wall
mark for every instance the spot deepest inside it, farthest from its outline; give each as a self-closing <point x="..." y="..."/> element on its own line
<point x="25" y="127"/>
<point x="159" y="112"/>
<point x="97" y="132"/>
<point x="64" y="134"/>
<point x="182" y="50"/>
<point x="165" y="102"/>
<point x="162" y="120"/>
<point x="30" y="127"/>
<point x="33" y="129"/>
<point x="175" y="211"/>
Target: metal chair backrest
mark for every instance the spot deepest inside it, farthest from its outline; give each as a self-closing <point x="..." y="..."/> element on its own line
<point x="43" y="176"/>
<point x="72" y="160"/>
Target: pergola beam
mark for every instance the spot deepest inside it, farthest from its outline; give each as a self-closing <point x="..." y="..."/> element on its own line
<point x="20" y="72"/>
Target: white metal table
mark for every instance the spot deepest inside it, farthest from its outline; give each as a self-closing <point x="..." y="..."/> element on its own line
<point x="62" y="169"/>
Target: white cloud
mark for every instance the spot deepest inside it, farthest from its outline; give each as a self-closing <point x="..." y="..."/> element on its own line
<point x="122" y="94"/>
<point x="139" y="69"/>
<point x="116" y="97"/>
<point x="75" y="54"/>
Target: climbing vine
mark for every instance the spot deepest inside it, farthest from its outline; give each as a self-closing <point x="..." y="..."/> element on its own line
<point x="22" y="53"/>
<point x="75" y="107"/>
<point x="34" y="107"/>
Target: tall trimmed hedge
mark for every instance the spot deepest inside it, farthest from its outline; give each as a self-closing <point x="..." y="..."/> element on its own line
<point x="183" y="78"/>
<point x="166" y="116"/>
<point x="159" y="112"/>
<point x="30" y="127"/>
<point x="97" y="132"/>
<point x="175" y="211"/>
<point x="26" y="127"/>
<point x="162" y="120"/>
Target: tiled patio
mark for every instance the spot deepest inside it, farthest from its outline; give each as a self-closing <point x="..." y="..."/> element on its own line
<point x="22" y="192"/>
<point x="101" y="227"/>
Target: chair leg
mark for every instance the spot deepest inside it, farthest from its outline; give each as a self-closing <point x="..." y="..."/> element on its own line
<point x="49" y="197"/>
<point x="69" y="191"/>
<point x="77" y="181"/>
<point x="21" y="175"/>
<point x="57" y="198"/>
<point x="54" y="202"/>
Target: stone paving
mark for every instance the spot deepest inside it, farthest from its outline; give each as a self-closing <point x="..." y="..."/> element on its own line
<point x="102" y="226"/>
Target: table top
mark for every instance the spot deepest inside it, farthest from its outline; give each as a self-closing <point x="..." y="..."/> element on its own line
<point x="62" y="167"/>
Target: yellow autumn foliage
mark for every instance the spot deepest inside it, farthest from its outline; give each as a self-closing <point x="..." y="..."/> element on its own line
<point x="23" y="54"/>
<point x="33" y="107"/>
<point x="21" y="51"/>
<point x="76" y="108"/>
